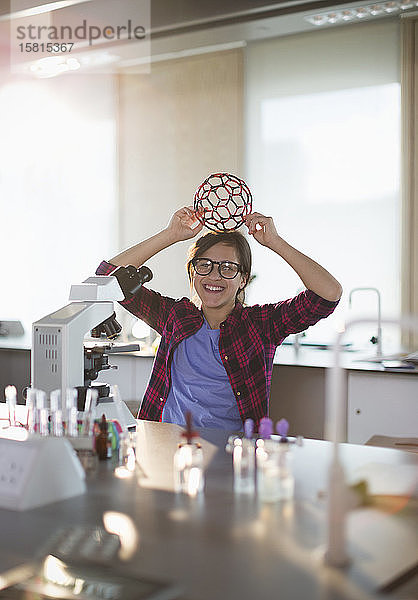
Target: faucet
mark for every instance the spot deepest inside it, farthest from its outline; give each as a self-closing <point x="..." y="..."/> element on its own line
<point x="375" y="339"/>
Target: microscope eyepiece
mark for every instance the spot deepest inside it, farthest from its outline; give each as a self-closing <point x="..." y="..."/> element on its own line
<point x="131" y="279"/>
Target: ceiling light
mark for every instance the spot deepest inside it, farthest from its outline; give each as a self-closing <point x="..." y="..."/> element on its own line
<point x="318" y="19"/>
<point x="333" y="17"/>
<point x="361" y="12"/>
<point x="51" y="66"/>
<point x="348" y="15"/>
<point x="376" y="9"/>
<point x="391" y="7"/>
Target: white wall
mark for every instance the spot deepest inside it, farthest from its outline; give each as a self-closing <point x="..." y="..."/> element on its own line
<point x="57" y="188"/>
<point x="177" y="125"/>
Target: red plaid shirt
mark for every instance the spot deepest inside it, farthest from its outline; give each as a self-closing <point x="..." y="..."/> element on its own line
<point x="247" y="342"/>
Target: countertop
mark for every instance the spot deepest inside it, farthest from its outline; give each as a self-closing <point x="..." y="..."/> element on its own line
<point x="308" y="356"/>
<point x="21" y="342"/>
<point x="227" y="545"/>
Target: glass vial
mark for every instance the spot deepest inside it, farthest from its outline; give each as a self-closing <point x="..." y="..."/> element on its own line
<point x="275" y="479"/>
<point x="188" y="469"/>
<point x="244" y="463"/>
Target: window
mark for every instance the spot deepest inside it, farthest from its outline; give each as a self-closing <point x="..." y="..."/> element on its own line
<point x="323" y="158"/>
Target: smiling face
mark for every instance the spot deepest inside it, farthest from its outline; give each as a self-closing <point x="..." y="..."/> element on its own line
<point x="214" y="291"/>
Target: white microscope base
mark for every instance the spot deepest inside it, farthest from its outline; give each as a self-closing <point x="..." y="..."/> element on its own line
<point x="111" y="410"/>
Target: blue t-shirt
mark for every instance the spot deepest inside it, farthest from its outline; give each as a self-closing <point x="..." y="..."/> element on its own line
<point x="200" y="384"/>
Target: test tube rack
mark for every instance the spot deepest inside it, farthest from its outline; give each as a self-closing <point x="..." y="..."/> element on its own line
<point x="38" y="471"/>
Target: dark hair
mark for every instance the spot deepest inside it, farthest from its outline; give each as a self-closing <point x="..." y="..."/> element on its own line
<point x="231" y="238"/>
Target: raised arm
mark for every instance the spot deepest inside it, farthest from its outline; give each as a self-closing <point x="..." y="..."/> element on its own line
<point x="313" y="276"/>
<point x="183" y="225"/>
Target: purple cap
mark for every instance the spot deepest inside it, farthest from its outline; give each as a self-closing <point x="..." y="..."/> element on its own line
<point x="265" y="427"/>
<point x="248" y="428"/>
<point x="282" y="427"/>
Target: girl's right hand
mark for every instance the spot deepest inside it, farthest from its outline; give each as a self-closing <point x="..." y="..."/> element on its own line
<point x="184" y="224"/>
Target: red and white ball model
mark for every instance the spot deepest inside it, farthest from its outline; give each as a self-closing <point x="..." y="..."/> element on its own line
<point x="222" y="202"/>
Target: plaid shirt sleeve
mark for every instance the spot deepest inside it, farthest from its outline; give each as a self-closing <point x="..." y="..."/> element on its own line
<point x="150" y="306"/>
<point x="279" y="320"/>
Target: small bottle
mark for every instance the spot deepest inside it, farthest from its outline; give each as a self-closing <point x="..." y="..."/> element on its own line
<point x="127" y="457"/>
<point x="188" y="463"/>
<point x="275" y="479"/>
<point x="268" y="470"/>
<point x="101" y="439"/>
<point x="263" y="455"/>
<point x="244" y="460"/>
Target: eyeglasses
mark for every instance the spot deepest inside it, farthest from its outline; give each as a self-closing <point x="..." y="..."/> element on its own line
<point x="226" y="268"/>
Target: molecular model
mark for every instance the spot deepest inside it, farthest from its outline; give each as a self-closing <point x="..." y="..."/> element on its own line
<point x="222" y="202"/>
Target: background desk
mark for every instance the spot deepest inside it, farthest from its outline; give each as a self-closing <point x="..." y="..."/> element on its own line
<point x="231" y="547"/>
<point x="378" y="402"/>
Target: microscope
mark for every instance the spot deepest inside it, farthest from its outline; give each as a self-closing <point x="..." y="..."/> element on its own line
<point x="59" y="359"/>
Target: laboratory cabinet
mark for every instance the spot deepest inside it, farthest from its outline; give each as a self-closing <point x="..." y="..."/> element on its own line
<point x="381" y="404"/>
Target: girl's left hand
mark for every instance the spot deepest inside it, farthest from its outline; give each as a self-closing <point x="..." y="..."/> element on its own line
<point x="261" y="228"/>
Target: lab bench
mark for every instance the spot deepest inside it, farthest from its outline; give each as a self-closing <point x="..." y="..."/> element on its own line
<point x="379" y="402"/>
<point x="227" y="545"/>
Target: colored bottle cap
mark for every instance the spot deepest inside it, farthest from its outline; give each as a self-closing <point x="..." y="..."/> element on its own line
<point x="282" y="428"/>
<point x="265" y="428"/>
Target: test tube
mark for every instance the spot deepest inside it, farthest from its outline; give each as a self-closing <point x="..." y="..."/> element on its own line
<point x="56" y="413"/>
<point x="71" y="404"/>
<point x="91" y="401"/>
<point x="11" y="394"/>
<point x="30" y="407"/>
<point x="41" y="424"/>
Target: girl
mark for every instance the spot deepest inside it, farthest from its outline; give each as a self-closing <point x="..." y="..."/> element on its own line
<point x="216" y="355"/>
